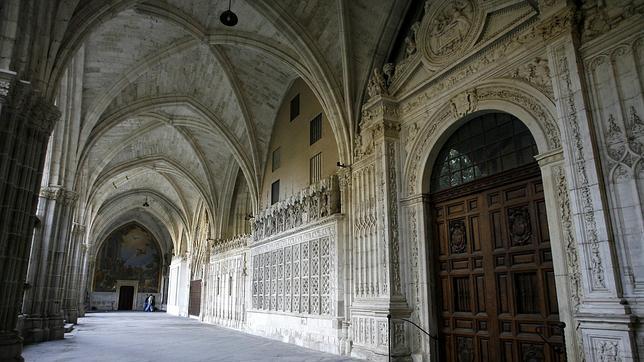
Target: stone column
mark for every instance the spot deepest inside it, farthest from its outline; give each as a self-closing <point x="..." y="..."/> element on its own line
<point x="42" y="310"/>
<point x="82" y="284"/>
<point x="605" y="319"/>
<point x="26" y="121"/>
<point x="76" y="250"/>
<point x="377" y="285"/>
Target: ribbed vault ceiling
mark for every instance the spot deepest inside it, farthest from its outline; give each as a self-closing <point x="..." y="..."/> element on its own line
<point x="175" y="105"/>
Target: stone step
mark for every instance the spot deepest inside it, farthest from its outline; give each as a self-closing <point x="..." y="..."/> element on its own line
<point x="69" y="327"/>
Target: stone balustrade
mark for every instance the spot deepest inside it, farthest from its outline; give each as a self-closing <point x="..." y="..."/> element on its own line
<point x="317" y="201"/>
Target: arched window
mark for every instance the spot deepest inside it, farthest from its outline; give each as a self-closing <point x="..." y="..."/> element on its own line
<point x="486" y="145"/>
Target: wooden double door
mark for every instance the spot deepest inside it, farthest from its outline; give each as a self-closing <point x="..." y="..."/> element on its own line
<point x="495" y="278"/>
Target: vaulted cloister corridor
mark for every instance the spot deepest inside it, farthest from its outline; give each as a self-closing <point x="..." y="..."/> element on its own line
<point x="387" y="180"/>
<point x="140" y="336"/>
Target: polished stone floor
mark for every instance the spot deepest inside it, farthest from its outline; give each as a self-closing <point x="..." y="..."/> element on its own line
<point x="139" y="336"/>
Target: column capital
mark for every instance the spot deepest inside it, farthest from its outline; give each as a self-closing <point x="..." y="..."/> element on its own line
<point x="23" y="101"/>
<point x="58" y="193"/>
<point x="380" y="115"/>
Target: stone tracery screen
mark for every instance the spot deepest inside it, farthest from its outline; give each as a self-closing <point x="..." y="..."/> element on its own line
<point x="295" y="278"/>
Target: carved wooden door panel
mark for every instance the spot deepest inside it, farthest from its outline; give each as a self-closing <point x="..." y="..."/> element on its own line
<point x="495" y="275"/>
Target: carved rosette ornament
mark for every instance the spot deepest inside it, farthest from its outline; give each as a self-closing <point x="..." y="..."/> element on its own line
<point x="449" y="28"/>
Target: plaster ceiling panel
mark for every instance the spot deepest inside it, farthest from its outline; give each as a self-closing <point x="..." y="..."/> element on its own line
<point x="162" y="141"/>
<point x="139" y="179"/>
<point x="190" y="195"/>
<point x="207" y="12"/>
<point x="117" y="134"/>
<point x="218" y="155"/>
<point x="193" y="73"/>
<point x="321" y="21"/>
<point x="120" y="43"/>
<point x="264" y="81"/>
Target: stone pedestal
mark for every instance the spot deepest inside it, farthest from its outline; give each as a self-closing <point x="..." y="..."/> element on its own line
<point x="26" y="121"/>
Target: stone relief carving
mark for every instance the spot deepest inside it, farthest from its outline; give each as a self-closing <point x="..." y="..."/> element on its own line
<point x="369" y="331"/>
<point x="220" y="246"/>
<point x="599" y="17"/>
<point x="608" y="351"/>
<point x="542" y="31"/>
<point x="624" y="148"/>
<point x="393" y="217"/>
<point x="315" y="202"/>
<point x="4" y="88"/>
<point x="590" y="225"/>
<point x="570" y="245"/>
<point x="463" y="104"/>
<point x="377" y="85"/>
<point x="447" y="29"/>
<point x="537" y="73"/>
<point x="415" y="272"/>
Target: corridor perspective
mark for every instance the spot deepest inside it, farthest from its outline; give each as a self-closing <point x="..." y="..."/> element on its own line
<point x="159" y="337"/>
<point x="382" y="180"/>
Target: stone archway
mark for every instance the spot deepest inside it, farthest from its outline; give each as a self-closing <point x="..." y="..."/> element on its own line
<point x="537" y="112"/>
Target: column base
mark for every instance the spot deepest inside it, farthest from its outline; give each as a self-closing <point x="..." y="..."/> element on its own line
<point x="71" y="315"/>
<point x="41" y="329"/>
<point x="10" y="346"/>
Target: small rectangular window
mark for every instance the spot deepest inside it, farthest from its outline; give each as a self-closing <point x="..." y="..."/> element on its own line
<point x="315" y="168"/>
<point x="275" y="192"/>
<point x="230" y="285"/>
<point x="315" y="129"/>
<point x="276" y="159"/>
<point x="295" y="107"/>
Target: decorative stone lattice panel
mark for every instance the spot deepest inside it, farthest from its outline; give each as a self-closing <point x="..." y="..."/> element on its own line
<point x="295" y="278"/>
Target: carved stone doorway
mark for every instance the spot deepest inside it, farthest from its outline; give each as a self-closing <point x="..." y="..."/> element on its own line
<point x="495" y="282"/>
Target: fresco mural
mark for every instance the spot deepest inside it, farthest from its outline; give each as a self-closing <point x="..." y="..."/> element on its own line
<point x="129" y="253"/>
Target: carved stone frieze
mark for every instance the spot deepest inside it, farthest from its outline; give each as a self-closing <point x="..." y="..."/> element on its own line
<point x="545" y="119"/>
<point x="537" y="73"/>
<point x="219" y="246"/>
<point x="313" y="203"/>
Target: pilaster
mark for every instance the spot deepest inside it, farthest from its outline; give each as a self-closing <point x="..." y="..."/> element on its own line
<point x="604" y="317"/>
<point x="378" y="279"/>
